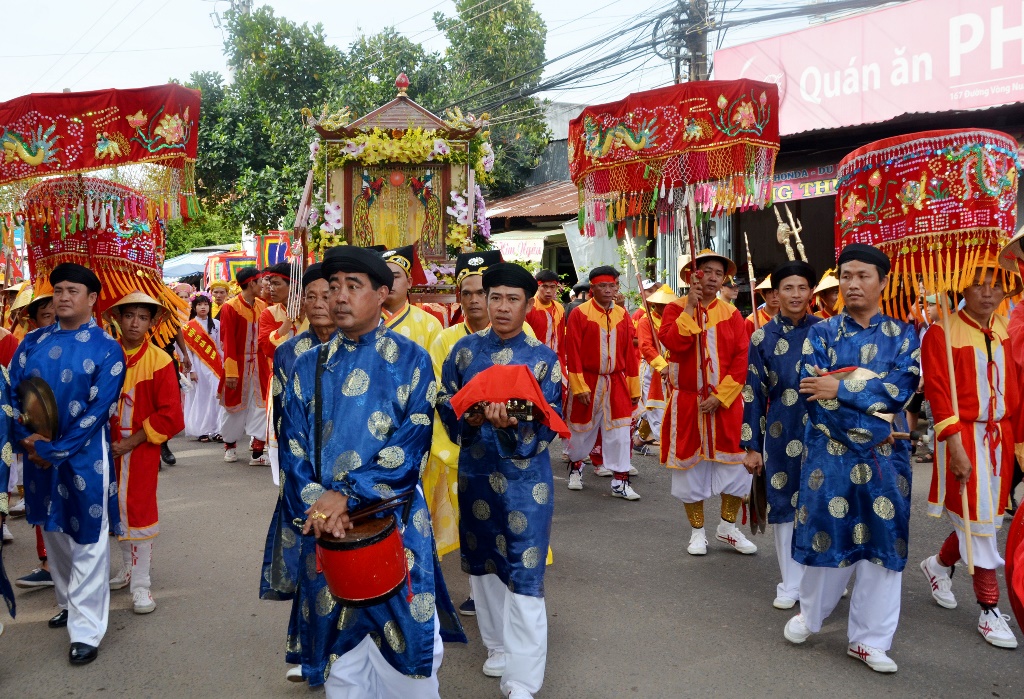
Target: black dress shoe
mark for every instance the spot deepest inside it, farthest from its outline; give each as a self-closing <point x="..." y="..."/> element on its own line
<point x="59" y="621"/>
<point x="82" y="653"/>
<point x="166" y="455"/>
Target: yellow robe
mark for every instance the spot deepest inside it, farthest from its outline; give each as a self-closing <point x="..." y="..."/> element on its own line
<point x="415" y="324"/>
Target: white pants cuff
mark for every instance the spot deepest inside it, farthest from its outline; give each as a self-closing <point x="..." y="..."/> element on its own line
<point x="792" y="572"/>
<point x="874" y="602"/>
<point x="709" y="478"/>
<point x="516" y="625"/>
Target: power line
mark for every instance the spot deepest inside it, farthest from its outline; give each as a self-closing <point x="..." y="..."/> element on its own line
<point x="123" y="41"/>
<point x="73" y="44"/>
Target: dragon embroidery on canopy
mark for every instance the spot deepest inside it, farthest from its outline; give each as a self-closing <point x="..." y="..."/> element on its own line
<point x="601" y="140"/>
<point x="38" y="149"/>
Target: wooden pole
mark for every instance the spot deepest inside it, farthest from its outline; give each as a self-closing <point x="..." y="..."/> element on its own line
<point x="695" y="275"/>
<point x="941" y="301"/>
<point x="750" y="273"/>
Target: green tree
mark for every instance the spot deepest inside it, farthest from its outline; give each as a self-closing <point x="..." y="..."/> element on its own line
<point x="491" y="42"/>
<point x="208" y="229"/>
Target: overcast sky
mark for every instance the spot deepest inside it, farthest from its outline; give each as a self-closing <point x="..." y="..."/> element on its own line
<point x="96" y="44"/>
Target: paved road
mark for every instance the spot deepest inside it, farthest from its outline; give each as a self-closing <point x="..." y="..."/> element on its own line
<point x="631" y="614"/>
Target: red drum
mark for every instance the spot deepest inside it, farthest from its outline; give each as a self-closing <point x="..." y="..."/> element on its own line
<point x="368" y="566"/>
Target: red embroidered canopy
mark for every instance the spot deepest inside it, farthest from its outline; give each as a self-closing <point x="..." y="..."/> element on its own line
<point x="938" y="203"/>
<point x="718" y="137"/>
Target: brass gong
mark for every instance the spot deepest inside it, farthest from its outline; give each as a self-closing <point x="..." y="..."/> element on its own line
<point x="38" y="407"/>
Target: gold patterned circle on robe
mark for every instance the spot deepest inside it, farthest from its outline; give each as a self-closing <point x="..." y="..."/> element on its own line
<point x="838" y="507"/>
<point x="781" y="347"/>
<point x="821" y="542"/>
<point x="836" y="448"/>
<point x="541" y="493"/>
<point x="861" y="533"/>
<point x="776" y="429"/>
<point x="793" y="448"/>
<point x="779" y="480"/>
<point x="517" y="522"/>
<point x="387" y="349"/>
<point x="325" y="602"/>
<point x="539" y="370"/>
<point x="356" y="383"/>
<point x="890" y="329"/>
<point x="391" y="457"/>
<point x="855" y="385"/>
<point x="903" y="485"/>
<point x="422" y="607"/>
<point x="481" y="510"/>
<point x="311" y="492"/>
<point x="790" y="397"/>
<point x="758" y="337"/>
<point x="502" y="356"/>
<point x="860" y="474"/>
<point x="748" y="394"/>
<point x="379" y="424"/>
<point x="499" y="484"/>
<point x="746" y="434"/>
<point x="421" y="521"/>
<point x="531" y="557"/>
<point x="471" y="542"/>
<point x="410" y="559"/>
<point x="346" y="461"/>
<point x="815" y="479"/>
<point x="859" y="435"/>
<point x="393" y="635"/>
<point x="521" y="464"/>
<point x="884" y="508"/>
<point x="501" y="545"/>
<point x="347" y="617"/>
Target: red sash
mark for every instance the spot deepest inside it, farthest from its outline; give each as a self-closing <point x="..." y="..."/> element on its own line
<point x="201" y="344"/>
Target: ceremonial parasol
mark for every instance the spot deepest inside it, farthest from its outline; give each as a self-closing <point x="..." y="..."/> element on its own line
<point x="939" y="204"/>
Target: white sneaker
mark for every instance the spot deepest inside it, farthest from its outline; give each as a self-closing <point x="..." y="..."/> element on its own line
<point x="121" y="580"/>
<point x="602" y="471"/>
<point x="494" y="666"/>
<point x="230" y="455"/>
<point x="8" y="537"/>
<point x="633" y="471"/>
<point x="142" y="601"/>
<point x="519" y="693"/>
<point x="729" y="533"/>
<point x="796" y="630"/>
<point x="261" y="460"/>
<point x="294" y="674"/>
<point x="993" y="628"/>
<point x="622" y="489"/>
<point x="18" y="509"/>
<point x="875" y="658"/>
<point x="576" y="479"/>
<point x="941" y="584"/>
<point x="698" y="543"/>
<point x="782" y="602"/>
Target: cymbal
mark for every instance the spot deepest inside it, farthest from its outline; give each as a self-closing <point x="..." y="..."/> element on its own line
<point x="38" y="407"/>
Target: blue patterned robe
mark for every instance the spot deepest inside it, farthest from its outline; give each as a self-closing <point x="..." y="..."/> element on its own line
<point x="282" y="566"/>
<point x="854" y="500"/>
<point x="85" y="369"/>
<point x="505" y="483"/>
<point x="6" y="456"/>
<point x="773" y="413"/>
<point x="377" y="397"/>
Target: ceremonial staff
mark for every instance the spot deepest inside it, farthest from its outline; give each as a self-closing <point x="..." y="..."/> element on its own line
<point x="631" y="253"/>
<point x="750" y="274"/>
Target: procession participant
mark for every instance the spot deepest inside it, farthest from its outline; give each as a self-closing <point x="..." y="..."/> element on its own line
<point x="1016" y="332"/>
<point x="5" y="461"/>
<point x="440" y="479"/>
<point x="647" y="287"/>
<point x="973" y="449"/>
<point x="370" y="410"/>
<point x="655" y="372"/>
<point x="853" y="505"/>
<point x="282" y="567"/>
<point x="264" y="290"/>
<point x="580" y="294"/>
<point x="148" y="414"/>
<point x="203" y="411"/>
<point x="700" y="438"/>
<point x="826" y="295"/>
<point x="546" y="316"/>
<point x="767" y="310"/>
<point x="275" y="327"/>
<point x="773" y="414"/>
<point x="18" y="320"/>
<point x="505" y="484"/>
<point x="219" y="292"/>
<point x="41" y="311"/>
<point x="68" y="486"/>
<point x="243" y="399"/>
<point x="183" y="290"/>
<point x="400" y="315"/>
<point x="729" y="291"/>
<point x="604" y="382"/>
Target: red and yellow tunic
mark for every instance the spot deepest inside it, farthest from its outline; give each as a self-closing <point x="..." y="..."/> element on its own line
<point x="689" y="437"/>
<point x="275" y="327"/>
<point x="1016" y="330"/>
<point x="548" y="323"/>
<point x="150" y="402"/>
<point x="650" y="350"/>
<point x="8" y="345"/>
<point x="239" y="336"/>
<point x="601" y="360"/>
<point x="988" y="393"/>
<point x="762" y="320"/>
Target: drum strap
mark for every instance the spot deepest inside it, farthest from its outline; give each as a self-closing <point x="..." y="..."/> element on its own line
<point x="318" y="412"/>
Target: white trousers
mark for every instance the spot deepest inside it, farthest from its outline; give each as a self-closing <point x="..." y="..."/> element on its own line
<point x="516" y="625"/>
<point x="655" y="415"/>
<point x="792" y="572"/>
<point x="709" y="478"/>
<point x="250" y="420"/>
<point x="985" y="550"/>
<point x="80" y="574"/>
<point x="363" y="673"/>
<point x="137" y="556"/>
<point x="874" y="602"/>
<point x="615" y="444"/>
<point x="15" y="474"/>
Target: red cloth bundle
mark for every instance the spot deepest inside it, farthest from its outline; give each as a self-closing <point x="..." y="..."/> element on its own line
<point x="498" y="384"/>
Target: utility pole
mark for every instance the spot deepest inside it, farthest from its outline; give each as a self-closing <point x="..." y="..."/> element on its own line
<point x="696" y="38"/>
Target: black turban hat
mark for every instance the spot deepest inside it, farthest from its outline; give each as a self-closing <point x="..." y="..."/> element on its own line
<point x="312" y="273"/>
<point x="859" y="252"/>
<point x="349" y="258"/>
<point x="510" y="274"/>
<point x="794" y="268"/>
<point x="76" y="274"/>
<point x="468" y="263"/>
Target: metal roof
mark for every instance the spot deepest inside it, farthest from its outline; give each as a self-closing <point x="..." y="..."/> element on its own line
<point x="551" y="199"/>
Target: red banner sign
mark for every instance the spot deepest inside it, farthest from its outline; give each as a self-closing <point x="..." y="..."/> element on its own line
<point x="62" y="133"/>
<point x="924" y="56"/>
